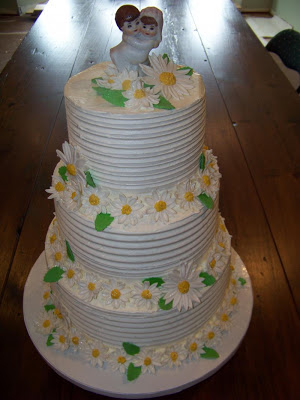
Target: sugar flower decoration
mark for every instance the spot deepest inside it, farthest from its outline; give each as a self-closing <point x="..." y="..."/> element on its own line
<point x="119" y="360"/>
<point x="209" y="182"/>
<point x="160" y="206"/>
<point x="94" y="201"/>
<point x="72" y="196"/>
<point x="166" y="78"/>
<point x="174" y="356"/>
<point x="115" y="293"/>
<point x="186" y="196"/>
<point x="46" y="323"/>
<point x="95" y="353"/>
<point x="108" y="79"/>
<point x="89" y="287"/>
<point x="146" y="295"/>
<point x="46" y="296"/>
<point x="216" y="262"/>
<point x="140" y="98"/>
<point x="71" y="275"/>
<point x="75" y="165"/>
<point x="211" y="334"/>
<point x="193" y="348"/>
<point x="60" y="340"/>
<point x="58" y="253"/>
<point x="75" y="338"/>
<point x="148" y="360"/>
<point x="124" y="80"/>
<point x="183" y="287"/>
<point x="126" y="210"/>
<point x="57" y="190"/>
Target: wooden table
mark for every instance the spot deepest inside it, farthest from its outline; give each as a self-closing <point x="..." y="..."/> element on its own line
<point x="253" y="125"/>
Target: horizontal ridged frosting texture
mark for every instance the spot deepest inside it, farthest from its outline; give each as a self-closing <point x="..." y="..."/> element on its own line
<point x="133" y="151"/>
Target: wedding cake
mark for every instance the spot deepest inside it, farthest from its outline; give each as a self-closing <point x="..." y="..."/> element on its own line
<point x="139" y="274"/>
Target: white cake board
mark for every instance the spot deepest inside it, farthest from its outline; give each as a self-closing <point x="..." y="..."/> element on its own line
<point x="112" y="384"/>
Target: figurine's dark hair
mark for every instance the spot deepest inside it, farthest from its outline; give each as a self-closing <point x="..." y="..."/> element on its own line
<point x="126" y="13"/>
<point x="149" y="20"/>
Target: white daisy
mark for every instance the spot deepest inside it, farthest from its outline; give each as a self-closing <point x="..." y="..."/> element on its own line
<point x="209" y="183"/>
<point x="60" y="340"/>
<point x="193" y="347"/>
<point x="119" y="360"/>
<point x="89" y="288"/>
<point x="225" y="320"/>
<point x="45" y="323"/>
<point x="124" y="80"/>
<point x="71" y="275"/>
<point x="166" y="78"/>
<point x="174" y="356"/>
<point x="72" y="195"/>
<point x="95" y="353"/>
<point x="146" y="295"/>
<point x="160" y="206"/>
<point x="211" y="162"/>
<point x="210" y="336"/>
<point x="108" y="79"/>
<point x="140" y="98"/>
<point x="115" y="293"/>
<point x="186" y="196"/>
<point x="148" y="360"/>
<point x="216" y="262"/>
<point x="75" y="165"/>
<point x="57" y="190"/>
<point x="76" y="340"/>
<point x="94" y="201"/>
<point x="58" y="253"/>
<point x="46" y="296"/>
<point x="54" y="234"/>
<point x="183" y="287"/>
<point x="126" y="210"/>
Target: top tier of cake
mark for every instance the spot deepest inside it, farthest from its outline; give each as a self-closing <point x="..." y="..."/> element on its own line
<point x="132" y="150"/>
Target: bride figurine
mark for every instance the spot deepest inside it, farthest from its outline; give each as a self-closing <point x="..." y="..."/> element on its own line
<point x="141" y="33"/>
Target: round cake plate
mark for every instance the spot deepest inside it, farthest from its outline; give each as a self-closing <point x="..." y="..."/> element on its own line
<point x="113" y="384"/>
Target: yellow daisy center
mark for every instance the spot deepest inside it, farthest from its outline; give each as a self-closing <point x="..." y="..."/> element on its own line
<point x="59" y="187"/>
<point x="210" y="335"/>
<point x="224" y="317"/>
<point x="46" y="323"/>
<point x="46" y="295"/>
<point x="52" y="238"/>
<point x="167" y="78"/>
<point x="70" y="273"/>
<point x="71" y="169"/>
<point x="58" y="313"/>
<point x="233" y="301"/>
<point x="160" y="206"/>
<point x="189" y="196"/>
<point x="146" y="294"/>
<point x="91" y="286"/>
<point x="221" y="244"/>
<point x="174" y="356"/>
<point x="121" y="360"/>
<point x="115" y="294"/>
<point x="139" y="94"/>
<point x="62" y="339"/>
<point x="206" y="180"/>
<point x="212" y="263"/>
<point x="233" y="281"/>
<point x="193" y="346"/>
<point x="231" y="267"/>
<point x="183" y="287"/>
<point x="205" y="148"/>
<point x="75" y="340"/>
<point x="111" y="81"/>
<point x="222" y="227"/>
<point x="94" y="200"/>
<point x="126" y="85"/>
<point x="58" y="256"/>
<point x="95" y="353"/>
<point x="73" y="195"/>
<point x="126" y="209"/>
<point x="147" y="361"/>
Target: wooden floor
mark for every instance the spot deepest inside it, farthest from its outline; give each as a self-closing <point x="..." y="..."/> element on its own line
<point x="253" y="125"/>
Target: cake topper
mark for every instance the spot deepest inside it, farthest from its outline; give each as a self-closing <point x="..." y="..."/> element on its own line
<point x="142" y="32"/>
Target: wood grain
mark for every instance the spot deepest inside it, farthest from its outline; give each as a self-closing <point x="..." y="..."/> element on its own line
<point x="217" y="43"/>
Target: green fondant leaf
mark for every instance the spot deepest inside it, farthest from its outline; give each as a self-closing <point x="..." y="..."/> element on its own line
<point x="131" y="348"/>
<point x="133" y="372"/>
<point x="166" y="56"/>
<point x="146" y="85"/>
<point x="102" y="221"/>
<point x="242" y="280"/>
<point x="162" y="304"/>
<point x="114" y="97"/>
<point x="158" y="280"/>
<point x="54" y="274"/>
<point x="95" y="80"/>
<point x="70" y="252"/>
<point x="208" y="279"/>
<point x="191" y="71"/>
<point x="163" y="104"/>
<point x="209" y="353"/>
<point x="62" y="172"/>
<point x="49" y="340"/>
<point x="202" y="162"/>
<point x="89" y="179"/>
<point x="207" y="201"/>
<point x="49" y="307"/>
